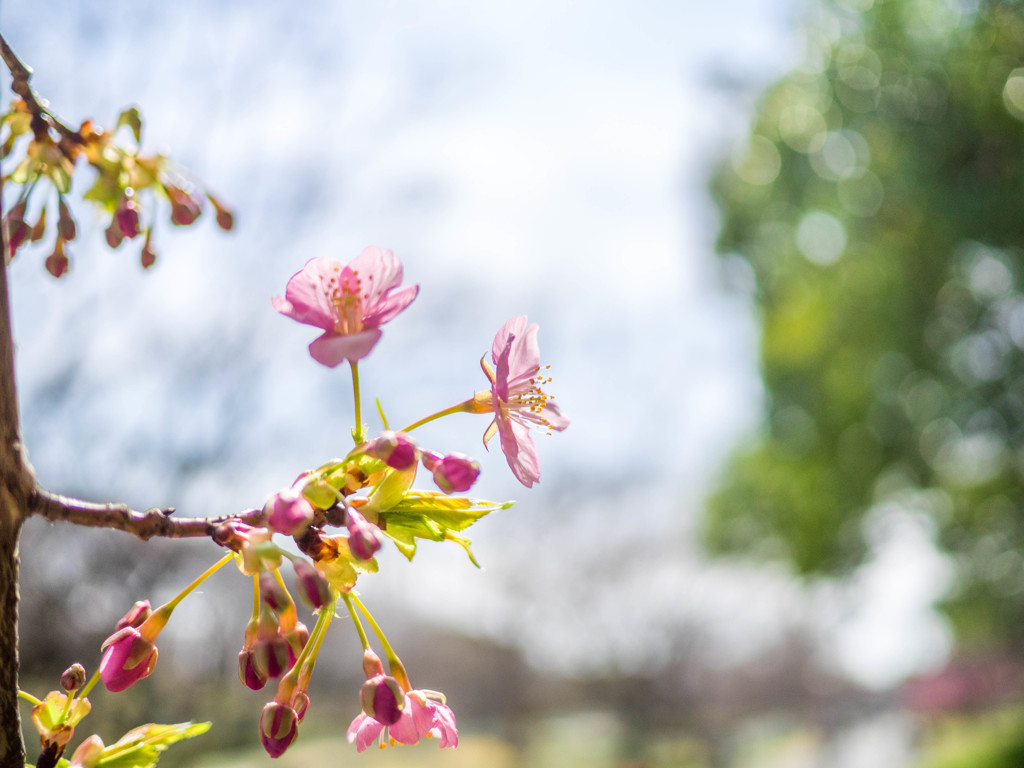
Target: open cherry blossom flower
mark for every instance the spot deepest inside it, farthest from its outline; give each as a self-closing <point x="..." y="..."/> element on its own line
<point x="425" y="717"/>
<point x="516" y="398"/>
<point x="422" y="716"/>
<point x="349" y="302"/>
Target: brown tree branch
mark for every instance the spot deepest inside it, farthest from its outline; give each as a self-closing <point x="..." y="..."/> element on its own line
<point x="145" y="525"/>
<point x="21" y="74"/>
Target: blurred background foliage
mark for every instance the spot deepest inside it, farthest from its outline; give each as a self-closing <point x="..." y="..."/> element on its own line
<point x="878" y="204"/>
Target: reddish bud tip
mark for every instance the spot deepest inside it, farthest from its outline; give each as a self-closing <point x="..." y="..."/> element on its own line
<point x="395" y="449"/>
<point x="225" y="219"/>
<point x="382" y="699"/>
<point x="127" y="218"/>
<point x="65" y="223"/>
<point x="279" y="726"/>
<point x="312" y="585"/>
<point x="288" y="512"/>
<point x="57" y="264"/>
<point x="73" y="677"/>
<point x="249" y="672"/>
<point x="113" y="234"/>
<point x="363" y="536"/>
<point x="454" y="472"/>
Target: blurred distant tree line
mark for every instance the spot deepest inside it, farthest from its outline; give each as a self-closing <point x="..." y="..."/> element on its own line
<point x="879" y="203"/>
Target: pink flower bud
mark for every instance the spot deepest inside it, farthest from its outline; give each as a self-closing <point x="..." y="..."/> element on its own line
<point x="363" y="536"/>
<point x="279" y="725"/>
<point x="312" y="585"/>
<point x="57" y="262"/>
<point x="184" y="208"/>
<point x="382" y="698"/>
<point x="271" y="656"/>
<point x="135" y="616"/>
<point x="249" y="671"/>
<point x="453" y="472"/>
<point x="296" y="640"/>
<point x="17" y="229"/>
<point x="65" y="222"/>
<point x="147" y="255"/>
<point x="73" y="677"/>
<point x="288" y="512"/>
<point x="127" y="658"/>
<point x="127" y="217"/>
<point x="113" y="234"/>
<point x="272" y="593"/>
<point x="300" y="703"/>
<point x="395" y="449"/>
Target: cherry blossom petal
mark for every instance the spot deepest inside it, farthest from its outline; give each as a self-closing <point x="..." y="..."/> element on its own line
<point x="407" y="730"/>
<point x="392" y="304"/>
<point x="332" y="350"/>
<point x="520" y="450"/>
<point x="363" y="730"/>
<point x="306" y="298"/>
<point x="444" y="726"/>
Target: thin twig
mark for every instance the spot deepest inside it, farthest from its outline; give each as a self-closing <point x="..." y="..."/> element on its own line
<point x="21" y="74"/>
<point x="145" y="525"/>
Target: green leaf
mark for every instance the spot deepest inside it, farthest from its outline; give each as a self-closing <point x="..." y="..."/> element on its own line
<point x="106" y="191"/>
<point x="453" y="513"/>
<point x="26" y="169"/>
<point x="141" y="747"/>
<point x="434" y="516"/>
<point x="133" y="120"/>
<point x="390" y="491"/>
<point x="404" y="539"/>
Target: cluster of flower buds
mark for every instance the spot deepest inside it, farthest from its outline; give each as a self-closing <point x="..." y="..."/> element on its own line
<point x="123" y="174"/>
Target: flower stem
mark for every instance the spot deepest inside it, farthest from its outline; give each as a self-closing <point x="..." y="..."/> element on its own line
<point x="357" y="433"/>
<point x="28" y="697"/>
<point x="355" y="620"/>
<point x="287" y="616"/>
<point x="199" y="580"/>
<point x="255" y="598"/>
<point x="312" y="646"/>
<point x="463" y="407"/>
<point x="394" y="663"/>
<point x="84" y="690"/>
<point x="319" y="633"/>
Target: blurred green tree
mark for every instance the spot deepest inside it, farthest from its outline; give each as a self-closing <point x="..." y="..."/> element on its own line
<point x="879" y="202"/>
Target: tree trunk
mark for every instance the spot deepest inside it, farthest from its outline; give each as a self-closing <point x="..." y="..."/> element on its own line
<point x="12" y="750"/>
<point x="16" y="485"/>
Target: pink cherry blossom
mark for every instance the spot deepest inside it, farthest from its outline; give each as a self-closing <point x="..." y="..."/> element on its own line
<point x="517" y="399"/>
<point x="423" y="717"/>
<point x="349" y="302"/>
